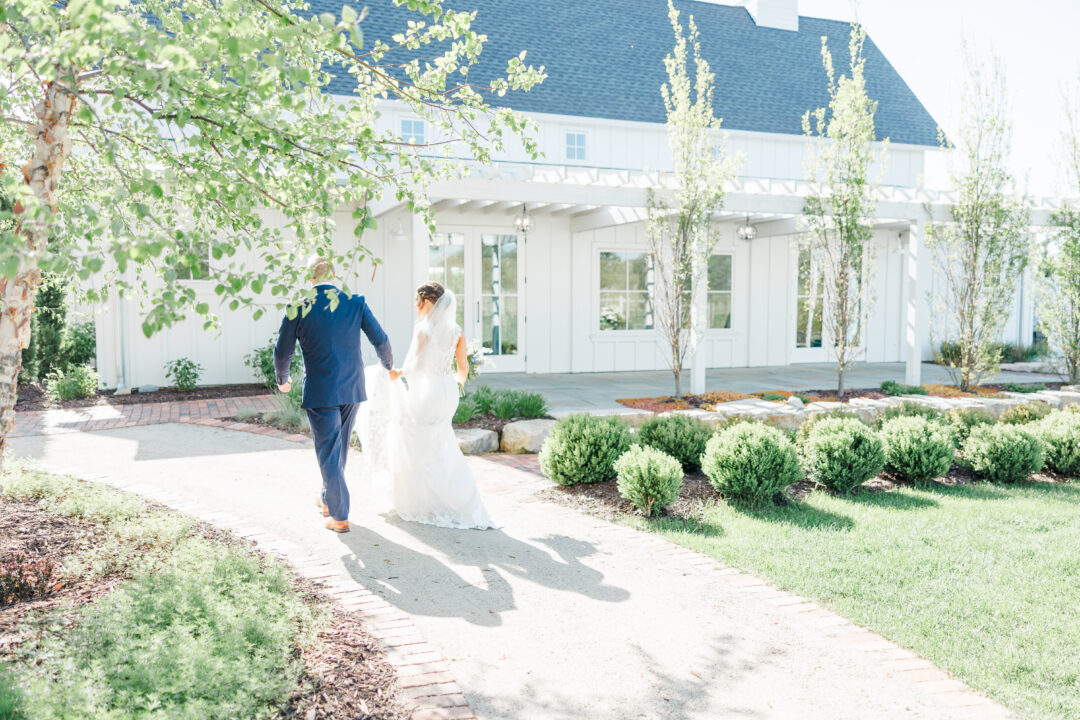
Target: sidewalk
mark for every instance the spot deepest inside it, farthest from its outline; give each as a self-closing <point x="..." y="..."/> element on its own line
<point x="555" y="616"/>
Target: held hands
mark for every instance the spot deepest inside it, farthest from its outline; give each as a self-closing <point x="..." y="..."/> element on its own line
<point x="395" y="374"/>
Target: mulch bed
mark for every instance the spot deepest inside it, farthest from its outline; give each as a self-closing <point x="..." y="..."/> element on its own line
<point x="344" y="675"/>
<point x="33" y="397"/>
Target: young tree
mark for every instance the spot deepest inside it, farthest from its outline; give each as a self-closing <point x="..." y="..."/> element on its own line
<point x="150" y="134"/>
<point x="981" y="252"/>
<point x="680" y="230"/>
<point x="1059" y="293"/>
<point x="839" y="216"/>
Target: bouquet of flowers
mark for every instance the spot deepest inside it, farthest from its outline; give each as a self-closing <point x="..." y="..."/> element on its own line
<point x="474" y="353"/>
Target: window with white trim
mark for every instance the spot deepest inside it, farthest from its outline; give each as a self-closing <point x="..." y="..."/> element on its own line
<point x="575" y="146"/>
<point x="626" y="290"/>
<point x="413" y="131"/>
<point x="718" y="305"/>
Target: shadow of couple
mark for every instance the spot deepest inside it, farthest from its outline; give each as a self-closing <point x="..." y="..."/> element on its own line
<point x="465" y="573"/>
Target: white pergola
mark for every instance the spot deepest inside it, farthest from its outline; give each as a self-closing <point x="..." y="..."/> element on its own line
<point x="594" y="198"/>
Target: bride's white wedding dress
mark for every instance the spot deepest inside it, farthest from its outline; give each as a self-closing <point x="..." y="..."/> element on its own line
<point x="410" y="455"/>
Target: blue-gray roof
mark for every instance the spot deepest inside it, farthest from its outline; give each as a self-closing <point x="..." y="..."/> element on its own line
<point x="604" y="59"/>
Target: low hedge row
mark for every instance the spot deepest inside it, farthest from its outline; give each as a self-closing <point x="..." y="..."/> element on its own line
<point x="755" y="462"/>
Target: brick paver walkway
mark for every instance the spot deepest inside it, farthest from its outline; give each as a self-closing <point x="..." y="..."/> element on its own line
<point x="110" y="417"/>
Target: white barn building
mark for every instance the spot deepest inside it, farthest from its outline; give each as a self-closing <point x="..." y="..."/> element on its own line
<point x="571" y="294"/>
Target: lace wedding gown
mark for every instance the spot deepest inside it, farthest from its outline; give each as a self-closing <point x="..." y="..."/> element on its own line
<point x="410" y="455"/>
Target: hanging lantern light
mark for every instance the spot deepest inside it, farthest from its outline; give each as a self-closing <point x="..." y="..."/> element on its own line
<point x="523" y="222"/>
<point x="746" y="232"/>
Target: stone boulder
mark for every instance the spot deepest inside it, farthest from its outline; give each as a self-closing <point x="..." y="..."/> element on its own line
<point x="526" y="436"/>
<point x="477" y="441"/>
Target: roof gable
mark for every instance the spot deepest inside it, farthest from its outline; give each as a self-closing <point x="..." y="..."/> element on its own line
<point x="604" y="59"/>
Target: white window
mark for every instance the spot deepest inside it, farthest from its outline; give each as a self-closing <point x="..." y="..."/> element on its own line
<point x="809" y="299"/>
<point x="626" y="289"/>
<point x="719" y="293"/>
<point x="412" y="131"/>
<point x="575" y="146"/>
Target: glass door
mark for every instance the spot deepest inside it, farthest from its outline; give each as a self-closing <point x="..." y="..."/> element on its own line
<point x="485" y="271"/>
<point x="499" y="301"/>
<point x="809" y="307"/>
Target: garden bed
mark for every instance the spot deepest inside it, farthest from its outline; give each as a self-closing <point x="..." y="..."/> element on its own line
<point x="103" y="543"/>
<point x="32" y="396"/>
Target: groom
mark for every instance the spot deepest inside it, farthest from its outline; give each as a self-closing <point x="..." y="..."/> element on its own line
<point x="334" y="382"/>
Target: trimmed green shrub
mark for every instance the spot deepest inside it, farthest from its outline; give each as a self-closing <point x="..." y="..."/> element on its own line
<point x="261" y="361"/>
<point x="909" y="408"/>
<point x="77" y="383"/>
<point x="1003" y="453"/>
<point x="773" y="397"/>
<point x="964" y="420"/>
<point x="893" y="388"/>
<point x="680" y="436"/>
<point x="1025" y="414"/>
<point x="750" y="461"/>
<point x="916" y="449"/>
<point x="184" y="373"/>
<point x="466" y="410"/>
<point x="505" y="405"/>
<point x="584" y="448"/>
<point x="808" y="424"/>
<point x="1024" y="388"/>
<point x="1060" y="434"/>
<point x="648" y="478"/>
<point x="842" y="454"/>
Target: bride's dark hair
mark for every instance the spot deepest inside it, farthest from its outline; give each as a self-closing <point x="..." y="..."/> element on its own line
<point x="429" y="291"/>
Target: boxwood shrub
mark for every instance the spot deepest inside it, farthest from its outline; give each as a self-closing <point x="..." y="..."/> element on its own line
<point x="842" y="454"/>
<point x="680" y="436"/>
<point x="1003" y="453"/>
<point x="1060" y="434"/>
<point x="1026" y="413"/>
<point x="909" y="408"/>
<point x="649" y="478"/>
<point x="808" y="424"/>
<point x="916" y="449"/>
<point x="964" y="420"/>
<point x="750" y="461"/>
<point x="584" y="448"/>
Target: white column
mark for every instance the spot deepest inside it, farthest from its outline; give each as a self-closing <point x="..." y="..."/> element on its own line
<point x="915" y="310"/>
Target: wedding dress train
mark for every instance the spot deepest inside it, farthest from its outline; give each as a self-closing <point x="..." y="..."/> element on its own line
<point x="410" y="454"/>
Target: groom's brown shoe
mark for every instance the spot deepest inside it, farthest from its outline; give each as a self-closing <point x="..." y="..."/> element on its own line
<point x="322" y="506"/>
<point x="338" y="526"/>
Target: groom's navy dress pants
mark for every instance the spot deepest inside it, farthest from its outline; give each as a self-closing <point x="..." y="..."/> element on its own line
<point x="331" y="428"/>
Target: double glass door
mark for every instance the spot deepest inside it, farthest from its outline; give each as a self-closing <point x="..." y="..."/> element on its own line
<point x="486" y="272"/>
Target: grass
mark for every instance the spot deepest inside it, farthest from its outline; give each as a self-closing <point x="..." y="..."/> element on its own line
<point x="196" y="630"/>
<point x="980" y="579"/>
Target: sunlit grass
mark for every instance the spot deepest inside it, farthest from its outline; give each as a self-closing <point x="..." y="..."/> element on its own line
<point x="983" y="580"/>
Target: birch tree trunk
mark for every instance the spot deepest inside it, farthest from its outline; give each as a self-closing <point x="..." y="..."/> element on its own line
<point x="51" y="145"/>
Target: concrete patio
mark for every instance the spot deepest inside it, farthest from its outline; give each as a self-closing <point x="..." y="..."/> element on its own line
<point x="574" y="392"/>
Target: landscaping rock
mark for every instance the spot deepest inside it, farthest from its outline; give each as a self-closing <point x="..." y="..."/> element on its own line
<point x="148" y="388"/>
<point x="1066" y="398"/>
<point x="526" y="436"/>
<point x="796" y="402"/>
<point x="824" y="406"/>
<point x="788" y="420"/>
<point x="477" y="441"/>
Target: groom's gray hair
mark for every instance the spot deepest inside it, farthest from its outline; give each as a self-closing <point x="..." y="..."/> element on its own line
<point x="319" y="268"/>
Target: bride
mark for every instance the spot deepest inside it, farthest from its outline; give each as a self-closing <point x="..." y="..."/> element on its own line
<point x="408" y="441"/>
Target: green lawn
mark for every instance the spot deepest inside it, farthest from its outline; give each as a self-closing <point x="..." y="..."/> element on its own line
<point x="983" y="580"/>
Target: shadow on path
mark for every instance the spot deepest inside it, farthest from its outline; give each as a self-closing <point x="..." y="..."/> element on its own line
<point x="427" y="583"/>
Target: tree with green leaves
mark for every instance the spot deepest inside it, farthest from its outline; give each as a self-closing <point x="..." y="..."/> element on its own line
<point x="982" y="249"/>
<point x="680" y="226"/>
<point x="142" y="135"/>
<point x="840" y="213"/>
<point x="1059" y="292"/>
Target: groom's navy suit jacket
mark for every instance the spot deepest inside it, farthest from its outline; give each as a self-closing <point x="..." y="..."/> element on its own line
<point x="330" y="341"/>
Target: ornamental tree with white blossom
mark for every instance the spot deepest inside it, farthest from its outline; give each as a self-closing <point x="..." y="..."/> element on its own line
<point x="136" y="138"/>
